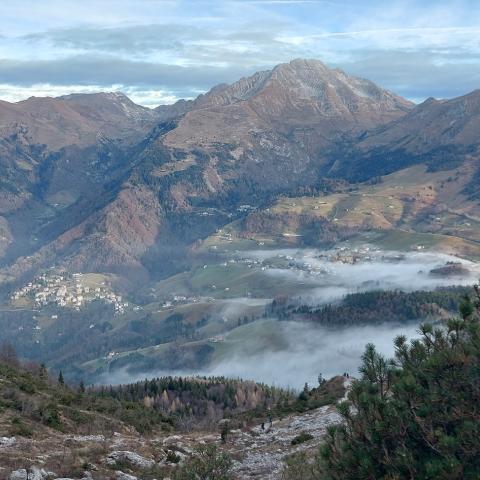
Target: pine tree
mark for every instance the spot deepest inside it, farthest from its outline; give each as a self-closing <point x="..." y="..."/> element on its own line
<point x="43" y="372"/>
<point x="416" y="416"/>
<point x="61" y="381"/>
<point x="81" y="387"/>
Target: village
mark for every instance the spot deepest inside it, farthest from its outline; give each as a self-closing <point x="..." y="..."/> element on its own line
<point x="296" y="259"/>
<point x="67" y="291"/>
<point x="175" y="300"/>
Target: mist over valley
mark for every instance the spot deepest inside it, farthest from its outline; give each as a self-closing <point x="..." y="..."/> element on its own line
<point x="239" y="240"/>
<point x="245" y="337"/>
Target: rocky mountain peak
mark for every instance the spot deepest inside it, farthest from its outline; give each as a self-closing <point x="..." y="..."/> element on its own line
<point x="302" y="93"/>
<point x="312" y="79"/>
<point x="112" y="103"/>
<point x="293" y="86"/>
<point x="303" y="81"/>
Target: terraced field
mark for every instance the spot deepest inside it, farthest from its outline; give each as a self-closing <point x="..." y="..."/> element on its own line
<point x="404" y="210"/>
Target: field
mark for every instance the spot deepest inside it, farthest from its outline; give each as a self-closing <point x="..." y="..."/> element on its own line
<point x="399" y="212"/>
<point x="215" y="310"/>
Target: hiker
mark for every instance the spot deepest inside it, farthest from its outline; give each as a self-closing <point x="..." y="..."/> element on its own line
<point x="263" y="425"/>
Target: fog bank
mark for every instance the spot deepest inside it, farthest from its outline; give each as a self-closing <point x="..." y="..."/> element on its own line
<point x="310" y="350"/>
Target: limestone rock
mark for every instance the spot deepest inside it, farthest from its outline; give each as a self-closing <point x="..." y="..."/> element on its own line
<point x="122" y="456"/>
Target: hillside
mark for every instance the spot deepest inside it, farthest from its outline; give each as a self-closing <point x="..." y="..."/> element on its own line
<point x="51" y="430"/>
<point x="413" y="206"/>
<point x="414" y="415"/>
<point x="145" y="179"/>
<point x="440" y="134"/>
<point x="62" y="159"/>
<point x="185" y="178"/>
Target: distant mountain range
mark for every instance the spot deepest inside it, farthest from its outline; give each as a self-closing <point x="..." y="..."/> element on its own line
<point x="96" y="183"/>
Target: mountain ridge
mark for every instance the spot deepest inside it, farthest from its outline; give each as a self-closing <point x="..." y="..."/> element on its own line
<point x="145" y="178"/>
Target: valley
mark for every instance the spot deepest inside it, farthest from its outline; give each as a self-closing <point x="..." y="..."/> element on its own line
<point x="239" y="240"/>
<point x="225" y="317"/>
<point x="216" y="318"/>
<point x="183" y="228"/>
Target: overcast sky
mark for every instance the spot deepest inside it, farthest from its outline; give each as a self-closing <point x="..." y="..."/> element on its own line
<point x="158" y="51"/>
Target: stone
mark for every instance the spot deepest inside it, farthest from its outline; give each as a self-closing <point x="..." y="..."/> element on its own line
<point x="36" y="474"/>
<point x="20" y="474"/>
<point x="121" y="456"/>
<point x="119" y="475"/>
<point x="7" y="441"/>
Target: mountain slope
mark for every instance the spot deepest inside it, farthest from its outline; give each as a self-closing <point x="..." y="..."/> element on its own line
<point x="300" y="94"/>
<point x="199" y="164"/>
<point x="229" y="147"/>
<point x="61" y="159"/>
<point x="440" y="133"/>
<point x="74" y="119"/>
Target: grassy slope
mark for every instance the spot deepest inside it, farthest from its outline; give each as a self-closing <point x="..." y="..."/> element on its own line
<point x="406" y="208"/>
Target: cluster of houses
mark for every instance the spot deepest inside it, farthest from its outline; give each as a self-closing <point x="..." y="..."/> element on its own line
<point x="343" y="254"/>
<point x="217" y="339"/>
<point x="246" y="208"/>
<point x="222" y="236"/>
<point x="67" y="291"/>
<point x="179" y="300"/>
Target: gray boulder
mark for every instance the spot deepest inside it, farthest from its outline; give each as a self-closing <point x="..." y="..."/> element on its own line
<point x="20" y="474"/>
<point x="124" y="476"/>
<point x="125" y="456"/>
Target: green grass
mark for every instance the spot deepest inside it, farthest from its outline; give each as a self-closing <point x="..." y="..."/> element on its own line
<point x="250" y="339"/>
<point x="240" y="280"/>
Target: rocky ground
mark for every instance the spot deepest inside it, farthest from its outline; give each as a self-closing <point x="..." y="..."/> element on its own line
<point x="257" y="452"/>
<point x="260" y="453"/>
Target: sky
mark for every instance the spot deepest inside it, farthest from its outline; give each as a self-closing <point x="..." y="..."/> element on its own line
<point x="158" y="51"/>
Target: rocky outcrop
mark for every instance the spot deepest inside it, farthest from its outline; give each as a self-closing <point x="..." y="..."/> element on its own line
<point x="7" y="441"/>
<point x="34" y="473"/>
<point x="20" y="474"/>
<point x="125" y="456"/>
<point x="263" y="451"/>
<point x="119" y="475"/>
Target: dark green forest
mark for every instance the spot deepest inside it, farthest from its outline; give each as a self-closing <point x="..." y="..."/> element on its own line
<point x="375" y="307"/>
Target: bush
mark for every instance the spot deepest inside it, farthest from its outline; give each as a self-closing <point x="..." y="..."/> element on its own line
<point x="172" y="457"/>
<point x="27" y="387"/>
<point x="18" y="427"/>
<point x="301" y="438"/>
<point x="207" y="463"/>
<point x="300" y="467"/>
<point x="50" y="415"/>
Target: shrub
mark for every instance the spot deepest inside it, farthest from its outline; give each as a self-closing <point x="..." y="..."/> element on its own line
<point x="18" y="427"/>
<point x="301" y="438"/>
<point x="207" y="463"/>
<point x="300" y="466"/>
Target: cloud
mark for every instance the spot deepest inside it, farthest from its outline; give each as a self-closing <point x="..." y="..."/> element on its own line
<point x="141" y="96"/>
<point x="330" y="281"/>
<point x="89" y="70"/>
<point x="307" y="351"/>
<point x="417" y="49"/>
<point x="419" y="74"/>
<point x="289" y="353"/>
<point x="137" y="39"/>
